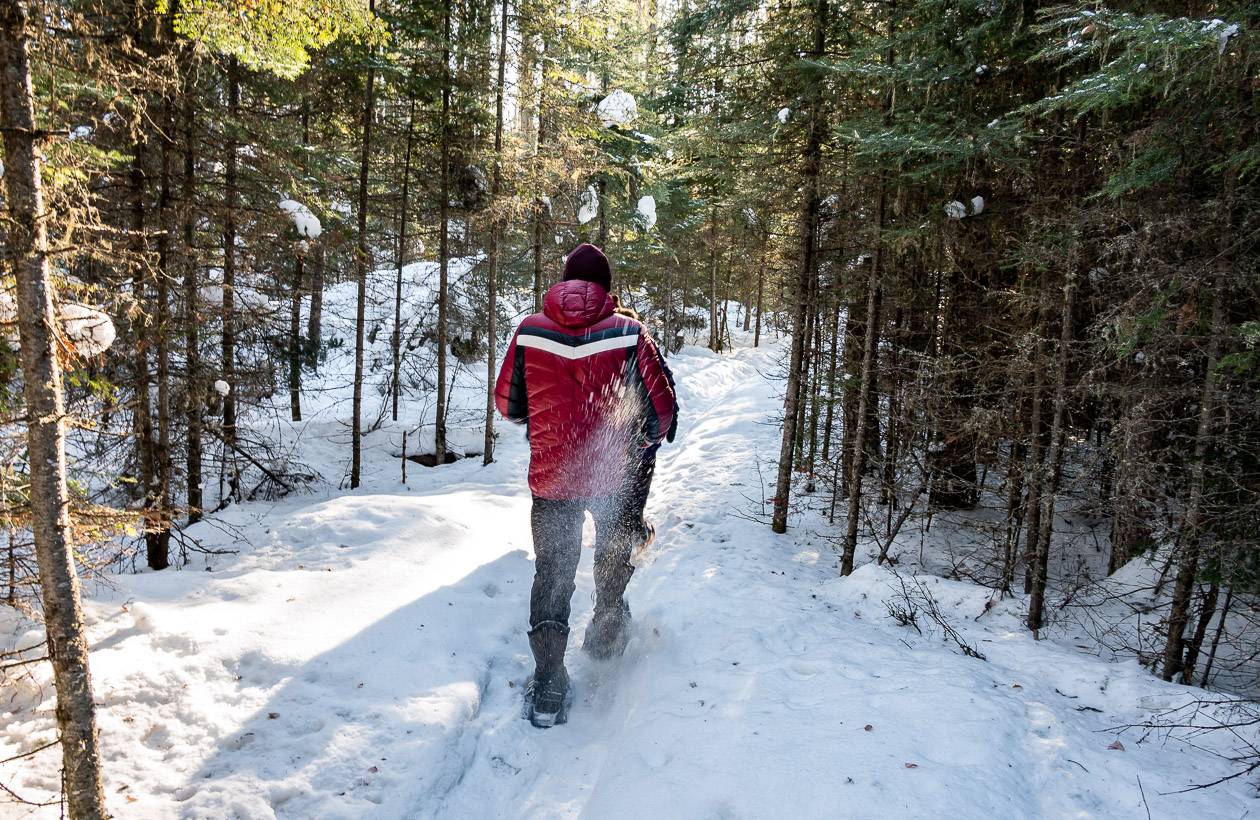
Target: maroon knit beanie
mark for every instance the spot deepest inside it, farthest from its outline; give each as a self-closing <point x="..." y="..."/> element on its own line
<point x="588" y="263"/>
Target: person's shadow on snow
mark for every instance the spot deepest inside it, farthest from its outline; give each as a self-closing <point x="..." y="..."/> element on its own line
<point x="372" y="727"/>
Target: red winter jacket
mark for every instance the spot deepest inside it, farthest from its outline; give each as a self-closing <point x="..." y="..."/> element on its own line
<point x="589" y="383"/>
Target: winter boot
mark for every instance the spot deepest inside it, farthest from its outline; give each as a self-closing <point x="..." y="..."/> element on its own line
<point x="609" y="631"/>
<point x="547" y="693"/>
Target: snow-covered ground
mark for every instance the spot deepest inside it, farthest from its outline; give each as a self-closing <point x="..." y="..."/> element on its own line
<point x="362" y="655"/>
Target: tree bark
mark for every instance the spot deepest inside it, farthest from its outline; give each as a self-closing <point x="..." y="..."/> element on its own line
<point x="362" y="265"/>
<point x="1050" y="468"/>
<point x="395" y="341"/>
<point x="229" y="280"/>
<point x="162" y="454"/>
<point x="295" y="335"/>
<point x="1191" y="542"/>
<point x="27" y="254"/>
<point x="146" y="448"/>
<point x="809" y="218"/>
<point x="715" y="338"/>
<point x="496" y="228"/>
<point x="439" y="419"/>
<point x="193" y="388"/>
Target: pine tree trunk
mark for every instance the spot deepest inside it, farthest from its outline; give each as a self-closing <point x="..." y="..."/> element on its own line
<point x="1191" y="540"/>
<point x="496" y="229"/>
<point x="295" y="335"/>
<point x="809" y="219"/>
<point x="162" y="337"/>
<point x="146" y="448"/>
<point x="26" y="251"/>
<point x="1049" y="483"/>
<point x="314" y="322"/>
<point x="395" y="341"/>
<point x="362" y="265"/>
<point x="229" y="281"/>
<point x="1034" y="463"/>
<point x="439" y="421"/>
<point x="715" y="339"/>
<point x="832" y="359"/>
<point x="761" y="287"/>
<point x="1200" y="632"/>
<point x="540" y="207"/>
<point x="866" y="388"/>
<point x="193" y="388"/>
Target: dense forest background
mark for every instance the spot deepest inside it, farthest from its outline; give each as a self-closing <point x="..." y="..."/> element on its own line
<point x="1013" y="243"/>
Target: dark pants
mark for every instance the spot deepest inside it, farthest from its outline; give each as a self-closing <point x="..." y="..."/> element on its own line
<point x="557" y="527"/>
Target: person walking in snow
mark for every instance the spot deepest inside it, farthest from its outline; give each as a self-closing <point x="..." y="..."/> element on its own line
<point x="590" y="386"/>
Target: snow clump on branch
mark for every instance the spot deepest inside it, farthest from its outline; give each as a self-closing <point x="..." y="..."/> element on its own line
<point x="90" y="331"/>
<point x="647" y="211"/>
<point x="306" y="223"/>
<point x="617" y="109"/>
<point x="588" y="205"/>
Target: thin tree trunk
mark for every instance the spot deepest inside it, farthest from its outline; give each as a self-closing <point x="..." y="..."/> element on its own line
<point x="295" y="335"/>
<point x="832" y="358"/>
<point x="193" y="395"/>
<point x="1216" y="639"/>
<point x="1200" y="632"/>
<point x="496" y="227"/>
<point x="26" y="249"/>
<point x="1049" y="484"/>
<point x="1191" y="542"/>
<point x="809" y="218"/>
<point x="361" y="268"/>
<point x="395" y="341"/>
<point x="439" y="421"/>
<point x="316" y="276"/>
<point x="540" y="206"/>
<point x="314" y="322"/>
<point x="761" y="286"/>
<point x="162" y="458"/>
<point x="146" y="449"/>
<point x="715" y="338"/>
<point x="1035" y="460"/>
<point x="866" y="388"/>
<point x="229" y="282"/>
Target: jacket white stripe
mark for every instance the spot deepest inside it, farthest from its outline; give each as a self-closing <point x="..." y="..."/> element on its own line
<point x="579" y="352"/>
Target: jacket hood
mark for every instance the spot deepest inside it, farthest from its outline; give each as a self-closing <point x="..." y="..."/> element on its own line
<point x="577" y="303"/>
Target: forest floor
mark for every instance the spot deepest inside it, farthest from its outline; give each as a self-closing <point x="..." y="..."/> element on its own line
<point x="362" y="654"/>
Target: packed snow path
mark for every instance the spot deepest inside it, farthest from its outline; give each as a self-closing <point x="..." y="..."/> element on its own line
<point x="363" y="657"/>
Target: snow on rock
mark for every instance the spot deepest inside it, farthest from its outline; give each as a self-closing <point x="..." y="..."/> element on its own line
<point x="647" y="211"/>
<point x="955" y="209"/>
<point x="588" y="205"/>
<point x="90" y="331"/>
<point x="221" y="387"/>
<point x="306" y="223"/>
<point x="977" y="205"/>
<point x="617" y="109"/>
<point x="784" y="113"/>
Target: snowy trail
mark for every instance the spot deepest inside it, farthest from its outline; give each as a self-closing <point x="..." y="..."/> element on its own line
<point x="364" y="656"/>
